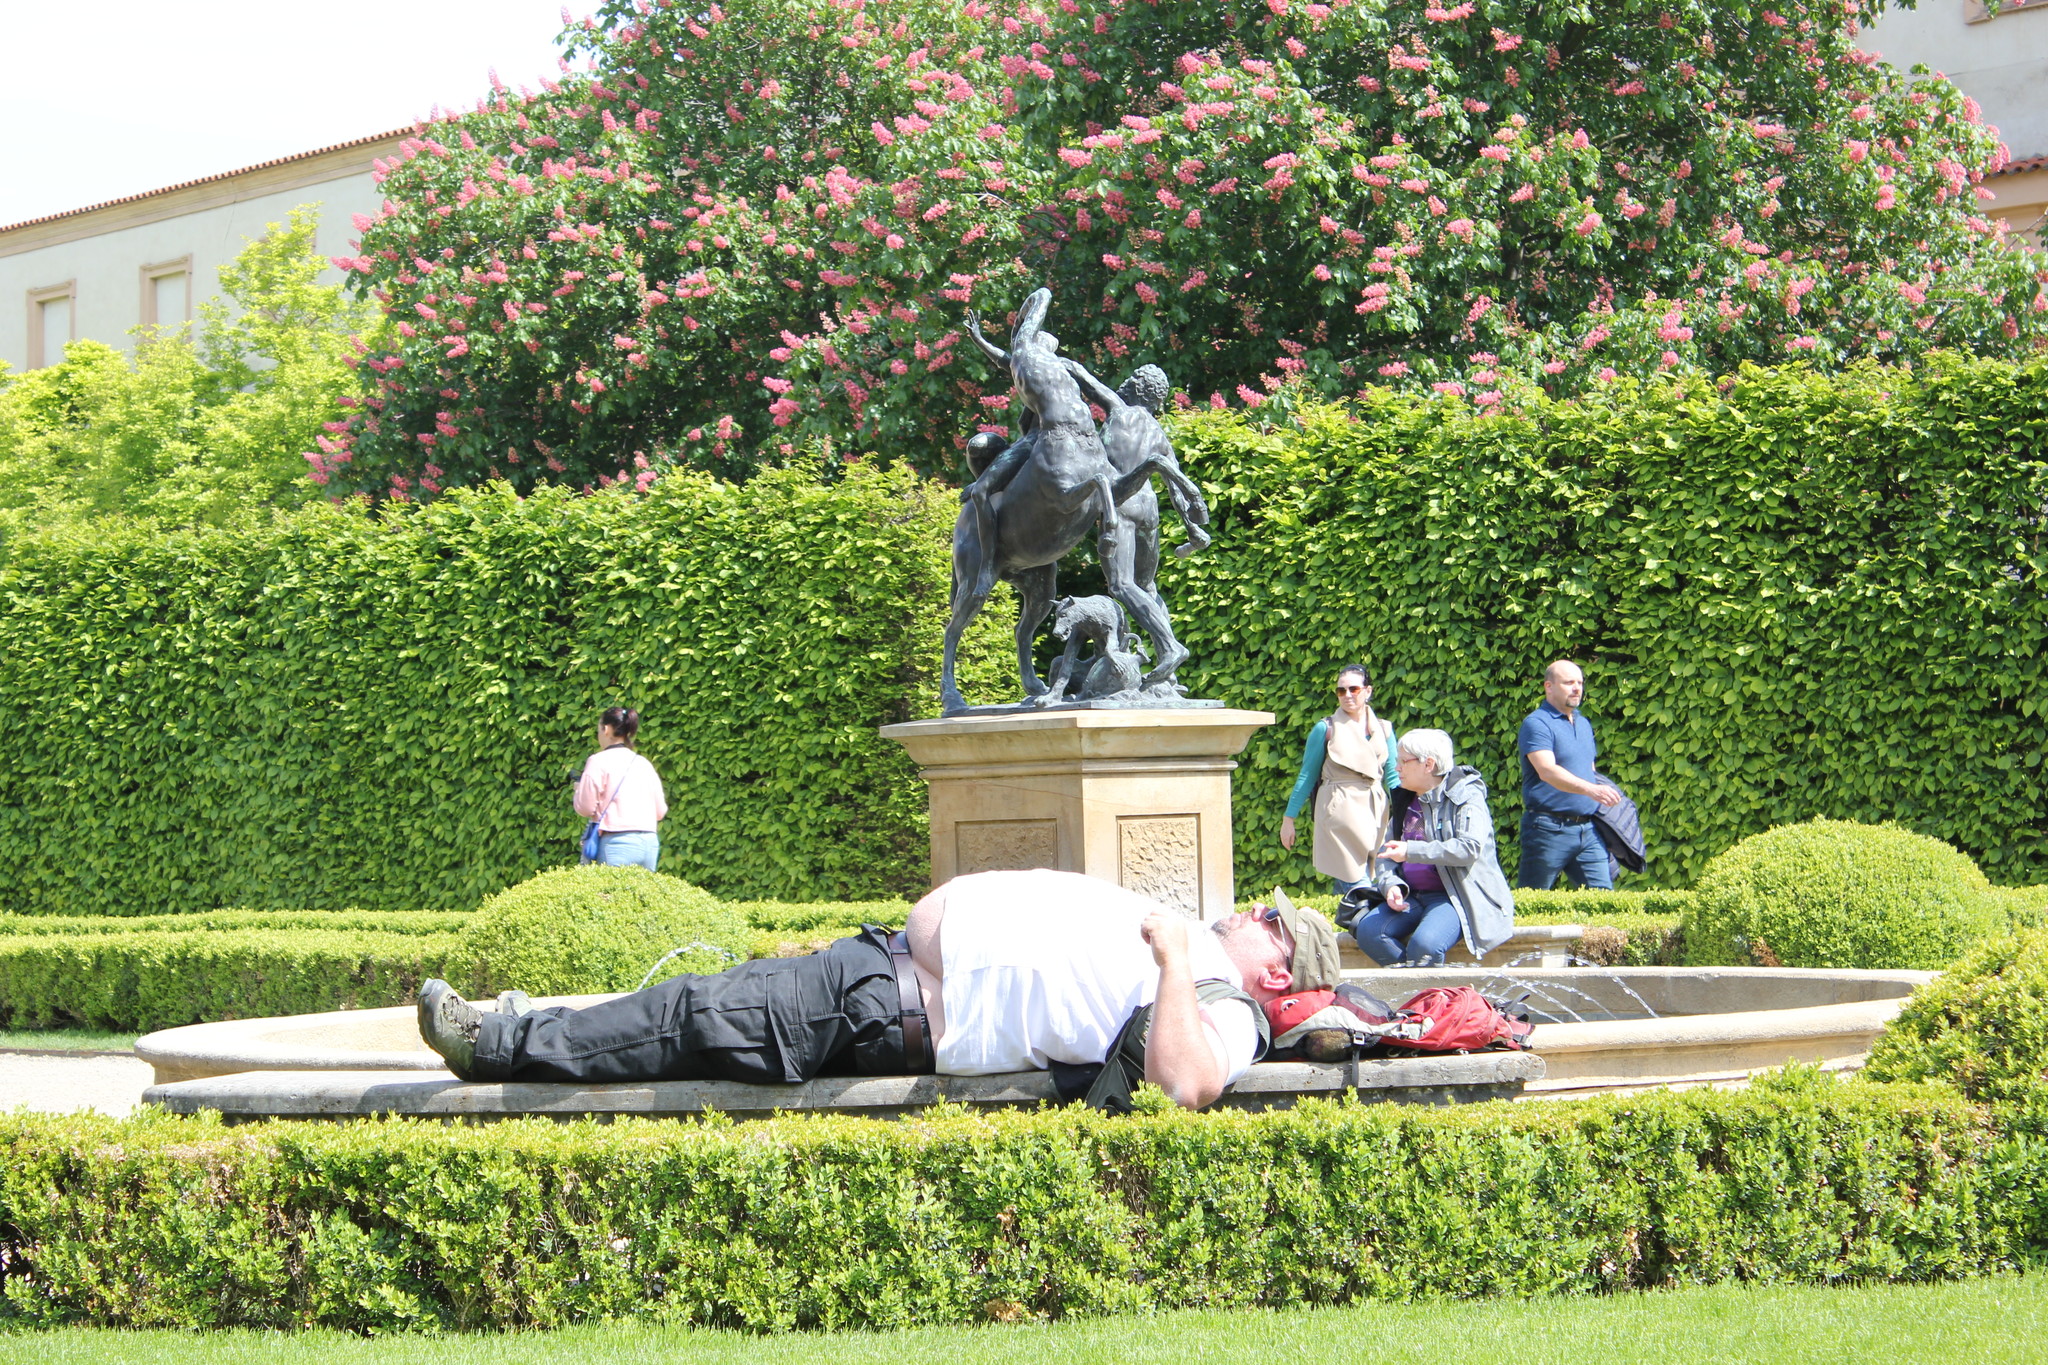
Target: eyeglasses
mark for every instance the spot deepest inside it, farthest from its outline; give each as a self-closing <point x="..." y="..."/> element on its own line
<point x="1269" y="915"/>
<point x="1344" y="691"/>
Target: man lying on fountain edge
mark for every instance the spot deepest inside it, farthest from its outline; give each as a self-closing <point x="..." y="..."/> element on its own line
<point x="994" y="972"/>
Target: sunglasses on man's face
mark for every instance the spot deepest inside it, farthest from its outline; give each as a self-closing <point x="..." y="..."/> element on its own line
<point x="1269" y="916"/>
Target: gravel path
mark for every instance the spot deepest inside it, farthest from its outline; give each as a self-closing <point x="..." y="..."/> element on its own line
<point x="58" y="1084"/>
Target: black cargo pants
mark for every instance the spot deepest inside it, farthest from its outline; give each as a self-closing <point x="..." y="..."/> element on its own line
<point x="770" y="1020"/>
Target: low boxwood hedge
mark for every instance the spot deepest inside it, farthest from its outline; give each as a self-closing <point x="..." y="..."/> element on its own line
<point x="1981" y="1027"/>
<point x="596" y="928"/>
<point x="793" y="928"/>
<point x="835" y="1222"/>
<point x="1833" y="893"/>
<point x="156" y="979"/>
<point x="346" y="921"/>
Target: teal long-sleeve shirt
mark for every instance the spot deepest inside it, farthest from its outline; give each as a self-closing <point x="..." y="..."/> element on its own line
<point x="1312" y="755"/>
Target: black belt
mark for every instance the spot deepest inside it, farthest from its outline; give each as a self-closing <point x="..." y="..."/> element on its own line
<point x="918" y="1059"/>
<point x="1564" y="818"/>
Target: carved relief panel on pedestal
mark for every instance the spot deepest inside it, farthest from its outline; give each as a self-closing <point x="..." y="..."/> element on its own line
<point x="1161" y="856"/>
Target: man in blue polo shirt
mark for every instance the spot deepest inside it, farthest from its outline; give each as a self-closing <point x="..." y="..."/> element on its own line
<point x="1559" y="794"/>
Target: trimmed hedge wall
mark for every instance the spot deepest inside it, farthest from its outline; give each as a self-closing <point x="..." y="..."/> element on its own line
<point x="1766" y="587"/>
<point x="387" y="711"/>
<point x="834" y="1222"/>
<point x="1765" y="584"/>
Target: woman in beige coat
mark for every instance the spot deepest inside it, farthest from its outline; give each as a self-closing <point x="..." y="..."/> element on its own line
<point x="1350" y="753"/>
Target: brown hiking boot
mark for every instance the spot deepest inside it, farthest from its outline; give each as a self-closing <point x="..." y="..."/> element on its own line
<point x="449" y="1025"/>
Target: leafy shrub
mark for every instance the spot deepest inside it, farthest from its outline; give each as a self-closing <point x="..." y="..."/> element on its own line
<point x="375" y="921"/>
<point x="208" y="427"/>
<point x="598" y="928"/>
<point x="791" y="929"/>
<point x="155" y="979"/>
<point x="838" y="1222"/>
<point x="1982" y="1026"/>
<point x="700" y="252"/>
<point x="1623" y="928"/>
<point x="1599" y="907"/>
<point x="2024" y="907"/>
<point x="1832" y="893"/>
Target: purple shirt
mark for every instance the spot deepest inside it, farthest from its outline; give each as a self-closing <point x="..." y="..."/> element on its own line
<point x="1419" y="876"/>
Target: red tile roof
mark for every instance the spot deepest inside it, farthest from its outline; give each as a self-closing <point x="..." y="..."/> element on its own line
<point x="209" y="179"/>
<point x="2032" y="163"/>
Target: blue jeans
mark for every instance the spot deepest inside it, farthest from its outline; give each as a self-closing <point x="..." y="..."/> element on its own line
<point x="1422" y="933"/>
<point x="630" y="848"/>
<point x="1338" y="886"/>
<point x="1551" y="846"/>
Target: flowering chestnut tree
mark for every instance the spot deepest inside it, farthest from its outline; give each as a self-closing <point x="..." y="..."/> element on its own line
<point x="748" y="232"/>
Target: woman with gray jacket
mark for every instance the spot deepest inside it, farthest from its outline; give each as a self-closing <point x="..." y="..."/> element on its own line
<point x="1440" y="879"/>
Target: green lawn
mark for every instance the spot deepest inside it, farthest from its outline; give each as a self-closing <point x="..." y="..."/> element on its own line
<point x="1978" y="1321"/>
<point x="65" y="1040"/>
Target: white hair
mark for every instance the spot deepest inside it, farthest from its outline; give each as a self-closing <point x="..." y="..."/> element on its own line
<point x="1431" y="745"/>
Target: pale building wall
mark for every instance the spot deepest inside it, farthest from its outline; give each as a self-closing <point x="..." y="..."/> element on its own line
<point x="101" y="271"/>
<point x="2001" y="61"/>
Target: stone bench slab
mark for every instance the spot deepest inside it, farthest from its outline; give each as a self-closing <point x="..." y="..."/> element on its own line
<point x="1270" y="1085"/>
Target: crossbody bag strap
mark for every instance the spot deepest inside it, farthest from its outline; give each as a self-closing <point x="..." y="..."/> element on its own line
<point x="619" y="787"/>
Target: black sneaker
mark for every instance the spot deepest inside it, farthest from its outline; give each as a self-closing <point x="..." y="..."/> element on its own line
<point x="449" y="1025"/>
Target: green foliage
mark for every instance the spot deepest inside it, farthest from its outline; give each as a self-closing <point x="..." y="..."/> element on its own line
<point x="342" y="921"/>
<point x="195" y="431"/>
<point x="1623" y="928"/>
<point x="1765" y="583"/>
<point x="1982" y="1026"/>
<point x="1831" y="893"/>
<point x="565" y="931"/>
<point x="1762" y="582"/>
<point x="786" y="929"/>
<point x="580" y="930"/>
<point x="718" y="247"/>
<point x="341" y="708"/>
<point x="161" y="978"/>
<point x="835" y="1222"/>
<point x="1599" y="907"/>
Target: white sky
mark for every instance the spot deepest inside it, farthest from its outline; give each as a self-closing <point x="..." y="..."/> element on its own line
<point x="105" y="98"/>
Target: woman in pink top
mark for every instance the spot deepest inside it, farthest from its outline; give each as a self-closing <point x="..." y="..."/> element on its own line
<point x="622" y="792"/>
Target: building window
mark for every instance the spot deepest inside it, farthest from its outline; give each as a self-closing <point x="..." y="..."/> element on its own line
<point x="167" y="293"/>
<point x="1977" y="12"/>
<point x="52" y="321"/>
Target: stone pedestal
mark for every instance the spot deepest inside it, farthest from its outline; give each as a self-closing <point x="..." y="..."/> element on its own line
<point x="1137" y="797"/>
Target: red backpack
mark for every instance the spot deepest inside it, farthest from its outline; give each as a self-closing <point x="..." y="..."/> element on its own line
<point x="1460" y="1020"/>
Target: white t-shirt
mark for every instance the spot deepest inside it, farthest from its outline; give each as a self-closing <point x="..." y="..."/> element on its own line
<point x="1045" y="967"/>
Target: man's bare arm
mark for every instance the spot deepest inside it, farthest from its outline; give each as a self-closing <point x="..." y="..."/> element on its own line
<point x="1178" y="1058"/>
<point x="1544" y="761"/>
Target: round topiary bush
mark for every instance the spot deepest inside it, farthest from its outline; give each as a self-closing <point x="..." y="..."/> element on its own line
<point x="1982" y="1027"/>
<point x="598" y="928"/>
<point x="1832" y="893"/>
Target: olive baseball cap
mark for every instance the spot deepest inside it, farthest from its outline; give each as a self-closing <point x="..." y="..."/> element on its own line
<point x="1316" y="965"/>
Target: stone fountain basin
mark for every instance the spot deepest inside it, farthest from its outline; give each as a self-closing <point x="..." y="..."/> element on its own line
<point x="1714" y="1026"/>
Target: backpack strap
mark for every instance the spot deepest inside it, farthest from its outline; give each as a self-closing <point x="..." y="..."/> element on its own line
<point x="1123" y="1070"/>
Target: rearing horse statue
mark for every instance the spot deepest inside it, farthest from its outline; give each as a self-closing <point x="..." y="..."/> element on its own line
<point x="1063" y="486"/>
